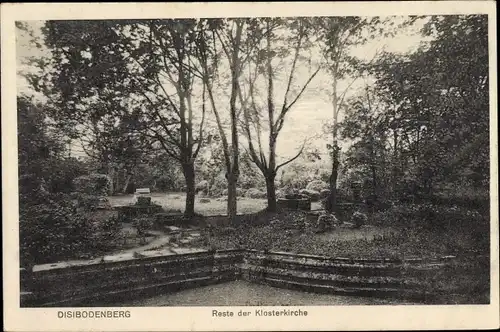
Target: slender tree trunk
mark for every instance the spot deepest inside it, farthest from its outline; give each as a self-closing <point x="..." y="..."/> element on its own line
<point x="232" y="180"/>
<point x="111" y="174"/>
<point x="127" y="181"/>
<point x="116" y="183"/>
<point x="374" y="182"/>
<point x="189" y="176"/>
<point x="373" y="169"/>
<point x="270" y="175"/>
<point x="234" y="171"/>
<point x="271" y="192"/>
<point x="394" y="164"/>
<point x="331" y="201"/>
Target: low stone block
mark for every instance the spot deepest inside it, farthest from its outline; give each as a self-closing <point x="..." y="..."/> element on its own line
<point x="118" y="258"/>
<point x="295" y="204"/>
<point x="173" y="228"/>
<point x="143" y="200"/>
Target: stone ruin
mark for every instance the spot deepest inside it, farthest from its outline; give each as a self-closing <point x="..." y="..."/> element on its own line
<point x="294" y="202"/>
<point x="142" y="206"/>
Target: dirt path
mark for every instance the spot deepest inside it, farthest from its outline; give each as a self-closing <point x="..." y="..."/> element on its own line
<point x="161" y="240"/>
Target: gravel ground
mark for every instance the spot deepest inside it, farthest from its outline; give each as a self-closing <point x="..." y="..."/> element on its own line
<point x="242" y="293"/>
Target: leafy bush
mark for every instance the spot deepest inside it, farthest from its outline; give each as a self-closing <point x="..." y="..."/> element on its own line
<point x="63" y="173"/>
<point x="255" y="193"/>
<point x="143" y="224"/>
<point x="86" y="202"/>
<point x="239" y="192"/>
<point x="219" y="183"/>
<point x="311" y="194"/>
<point x="109" y="229"/>
<point x="294" y="180"/>
<point x="324" y="193"/>
<point x="451" y="226"/>
<point x="143" y="200"/>
<point x="359" y="219"/>
<point x="202" y="186"/>
<point x="326" y="221"/>
<point x="94" y="184"/>
<point x="51" y="228"/>
<point x="432" y="216"/>
<point x="165" y="183"/>
<point x="317" y="185"/>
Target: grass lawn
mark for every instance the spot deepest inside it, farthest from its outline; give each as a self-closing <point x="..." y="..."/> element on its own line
<point x="176" y="202"/>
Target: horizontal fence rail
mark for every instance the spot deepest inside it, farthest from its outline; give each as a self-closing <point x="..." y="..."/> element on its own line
<point x="103" y="282"/>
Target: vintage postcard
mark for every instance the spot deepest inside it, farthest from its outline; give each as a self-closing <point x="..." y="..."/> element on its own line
<point x="250" y="166"/>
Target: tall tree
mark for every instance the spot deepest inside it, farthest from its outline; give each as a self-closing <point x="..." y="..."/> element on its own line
<point x="40" y="148"/>
<point x="276" y="47"/>
<point x="133" y="68"/>
<point x="339" y="35"/>
<point x="227" y="35"/>
<point x="436" y="101"/>
<point x="365" y="125"/>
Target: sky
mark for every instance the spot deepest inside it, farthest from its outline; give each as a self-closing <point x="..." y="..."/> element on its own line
<point x="308" y="116"/>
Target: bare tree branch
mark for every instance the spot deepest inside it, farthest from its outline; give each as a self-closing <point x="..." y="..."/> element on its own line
<point x="292" y="159"/>
<point x="279" y="122"/>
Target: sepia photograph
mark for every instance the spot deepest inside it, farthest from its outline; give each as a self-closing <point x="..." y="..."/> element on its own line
<point x="268" y="162"/>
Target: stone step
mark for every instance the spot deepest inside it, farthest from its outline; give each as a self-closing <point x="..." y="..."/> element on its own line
<point x="327" y="289"/>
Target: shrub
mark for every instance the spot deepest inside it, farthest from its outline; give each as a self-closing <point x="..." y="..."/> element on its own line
<point x="311" y="194"/>
<point x="109" y="229"/>
<point x="358" y="219"/>
<point x="219" y="183"/>
<point x="317" y="185"/>
<point x="51" y="229"/>
<point x="164" y="183"/>
<point x="202" y="186"/>
<point x="326" y="221"/>
<point x="143" y="200"/>
<point x="293" y="179"/>
<point x="142" y="224"/>
<point x="94" y="184"/>
<point x="204" y="200"/>
<point x="255" y="193"/>
<point x="239" y="192"/>
<point x="456" y="223"/>
<point x="324" y="193"/>
<point x="86" y="202"/>
<point x="104" y="203"/>
<point x="63" y="172"/>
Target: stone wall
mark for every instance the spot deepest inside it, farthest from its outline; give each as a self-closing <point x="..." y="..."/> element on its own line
<point x="101" y="283"/>
<point x="358" y="277"/>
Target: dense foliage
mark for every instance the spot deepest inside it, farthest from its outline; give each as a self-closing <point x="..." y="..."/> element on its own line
<point x="54" y="224"/>
<point x="422" y="129"/>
